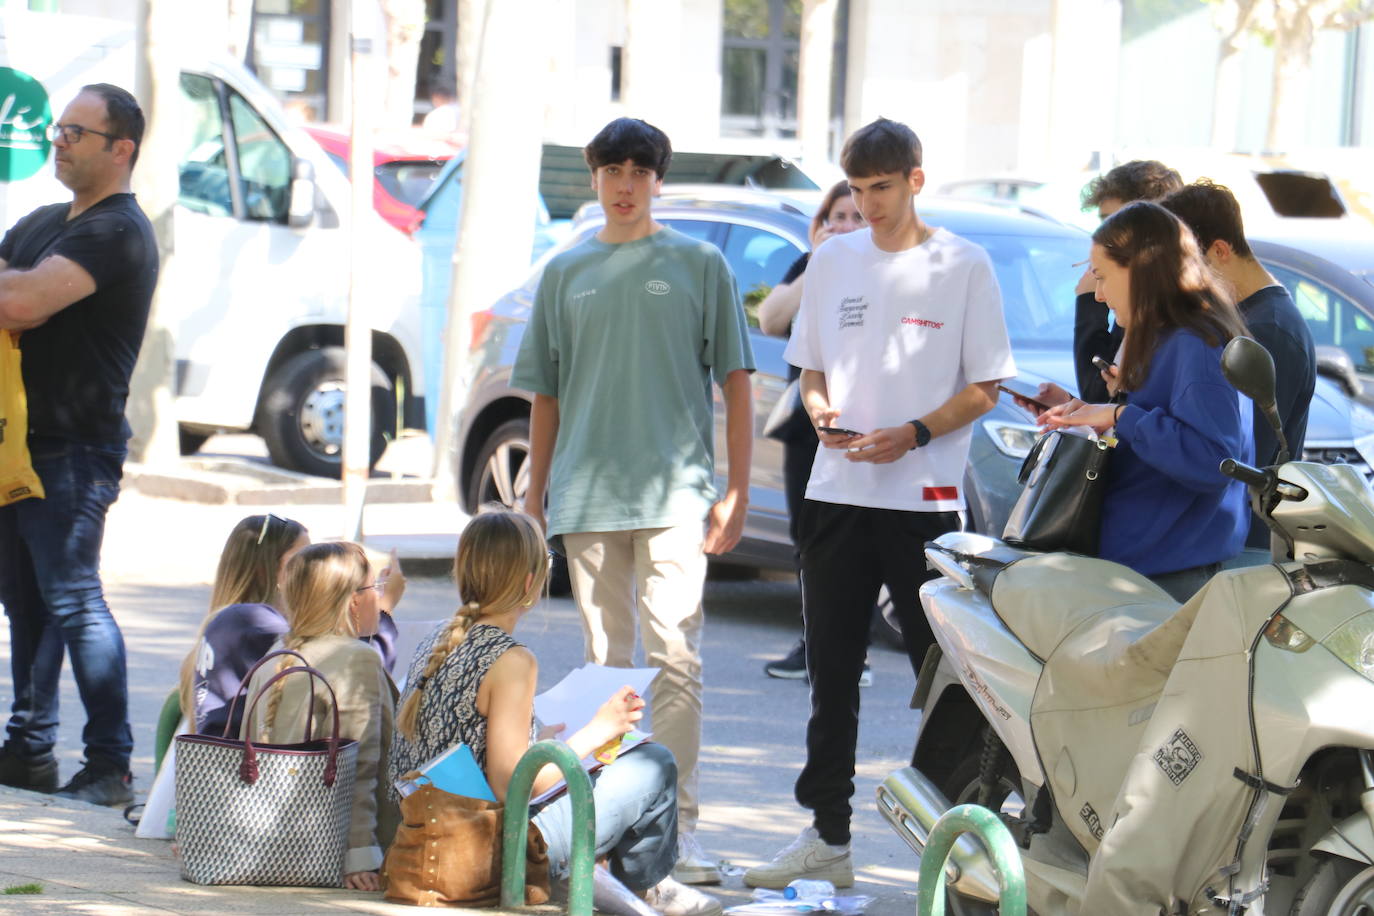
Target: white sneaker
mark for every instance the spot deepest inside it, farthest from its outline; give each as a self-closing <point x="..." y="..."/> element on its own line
<point x="808" y="856"/>
<point x="671" y="898"/>
<point x="693" y="866"/>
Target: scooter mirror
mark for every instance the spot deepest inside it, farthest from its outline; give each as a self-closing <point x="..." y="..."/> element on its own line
<point x="1250" y="370"/>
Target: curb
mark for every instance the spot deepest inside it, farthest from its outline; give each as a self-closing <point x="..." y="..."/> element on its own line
<point x="242" y="482"/>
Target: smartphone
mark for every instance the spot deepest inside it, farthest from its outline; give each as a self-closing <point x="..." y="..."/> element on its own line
<point x="1102" y="364"/>
<point x="839" y="431"/>
<point x="1038" y="405"/>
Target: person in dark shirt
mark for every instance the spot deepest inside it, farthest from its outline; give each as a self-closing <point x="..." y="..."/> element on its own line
<point x="1139" y="179"/>
<point x="77" y="279"/>
<point x="1213" y="214"/>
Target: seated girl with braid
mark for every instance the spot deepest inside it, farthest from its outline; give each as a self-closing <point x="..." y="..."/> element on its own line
<point x="331" y="597"/>
<point x="472" y="682"/>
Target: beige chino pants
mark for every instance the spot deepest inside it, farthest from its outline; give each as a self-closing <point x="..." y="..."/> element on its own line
<point x="651" y="577"/>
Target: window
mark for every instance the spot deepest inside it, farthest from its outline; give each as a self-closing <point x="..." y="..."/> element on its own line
<point x="1332" y="318"/>
<point x="758" y="259"/>
<point x="761" y="46"/>
<point x="288" y="51"/>
<point x="410" y="181"/>
<point x="701" y="230"/>
<point x="1037" y="277"/>
<point x="203" y="169"/>
<point x="264" y="164"/>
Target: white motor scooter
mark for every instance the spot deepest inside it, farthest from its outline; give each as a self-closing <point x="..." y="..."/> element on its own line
<point x="1151" y="758"/>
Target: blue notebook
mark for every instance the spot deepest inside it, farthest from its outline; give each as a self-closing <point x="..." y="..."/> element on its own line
<point x="456" y="772"/>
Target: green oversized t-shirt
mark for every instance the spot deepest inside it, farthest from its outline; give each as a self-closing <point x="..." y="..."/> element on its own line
<point x="627" y="337"/>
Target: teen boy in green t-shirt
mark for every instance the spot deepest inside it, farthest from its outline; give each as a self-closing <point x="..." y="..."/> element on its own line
<point x="628" y="330"/>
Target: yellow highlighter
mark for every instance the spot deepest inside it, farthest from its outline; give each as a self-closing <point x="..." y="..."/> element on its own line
<point x="608" y="751"/>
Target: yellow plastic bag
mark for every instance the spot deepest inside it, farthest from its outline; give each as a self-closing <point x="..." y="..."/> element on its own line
<point x="17" y="478"/>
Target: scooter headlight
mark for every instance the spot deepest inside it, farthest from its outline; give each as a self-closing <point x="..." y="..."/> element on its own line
<point x="1353" y="643"/>
<point x="1012" y="439"/>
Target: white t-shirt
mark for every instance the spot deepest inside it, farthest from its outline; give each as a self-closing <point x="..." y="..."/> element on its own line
<point x="898" y="334"/>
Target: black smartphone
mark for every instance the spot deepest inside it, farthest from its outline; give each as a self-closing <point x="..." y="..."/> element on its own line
<point x="1102" y="364"/>
<point x="1038" y="405"/>
<point x="839" y="431"/>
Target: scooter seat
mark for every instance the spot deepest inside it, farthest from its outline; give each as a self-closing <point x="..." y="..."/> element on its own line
<point x="1045" y="597"/>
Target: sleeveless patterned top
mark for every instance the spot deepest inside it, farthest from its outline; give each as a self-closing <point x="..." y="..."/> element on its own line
<point x="448" y="708"/>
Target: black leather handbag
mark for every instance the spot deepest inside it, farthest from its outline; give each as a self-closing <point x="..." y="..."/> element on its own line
<point x="1060" y="507"/>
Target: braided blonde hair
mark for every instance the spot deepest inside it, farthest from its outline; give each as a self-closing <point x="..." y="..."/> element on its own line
<point x="321" y="581"/>
<point x="501" y="561"/>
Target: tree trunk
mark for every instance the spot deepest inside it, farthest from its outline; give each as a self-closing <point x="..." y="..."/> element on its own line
<point x="1294" y="34"/>
<point x="157" y="80"/>
<point x="813" y="79"/>
<point x="471" y="14"/>
<point x="500" y="190"/>
<point x="405" y="26"/>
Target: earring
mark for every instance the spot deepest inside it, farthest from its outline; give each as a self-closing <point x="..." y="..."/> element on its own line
<point x="529" y="603"/>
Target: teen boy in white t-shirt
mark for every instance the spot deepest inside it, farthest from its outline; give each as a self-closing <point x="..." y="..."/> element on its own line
<point x="900" y="339"/>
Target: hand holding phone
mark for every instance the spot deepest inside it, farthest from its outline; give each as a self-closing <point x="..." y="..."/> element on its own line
<point x="1102" y="364"/>
<point x="1040" y="406"/>
<point x="838" y="431"/>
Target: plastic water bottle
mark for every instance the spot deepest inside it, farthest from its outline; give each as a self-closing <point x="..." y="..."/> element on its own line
<point x="808" y="890"/>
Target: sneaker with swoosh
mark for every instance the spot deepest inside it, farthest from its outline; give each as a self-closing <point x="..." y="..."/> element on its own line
<point x="808" y="856"/>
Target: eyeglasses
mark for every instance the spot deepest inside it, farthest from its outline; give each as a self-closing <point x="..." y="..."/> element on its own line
<point x="72" y="133"/>
<point x="379" y="586"/>
<point x="266" y="519"/>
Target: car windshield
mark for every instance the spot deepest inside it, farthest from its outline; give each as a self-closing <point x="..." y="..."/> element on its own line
<point x="1038" y="275"/>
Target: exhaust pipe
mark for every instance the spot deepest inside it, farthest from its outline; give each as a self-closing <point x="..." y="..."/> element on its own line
<point x="912" y="804"/>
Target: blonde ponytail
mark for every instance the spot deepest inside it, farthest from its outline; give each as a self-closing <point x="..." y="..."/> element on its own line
<point x="457" y="630"/>
<point x="290" y="642"/>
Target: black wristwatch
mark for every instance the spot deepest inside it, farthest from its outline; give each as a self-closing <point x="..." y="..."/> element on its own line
<point x="922" y="433"/>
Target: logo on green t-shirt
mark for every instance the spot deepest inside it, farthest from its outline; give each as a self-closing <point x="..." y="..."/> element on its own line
<point x="658" y="287"/>
<point x="24" y="119"/>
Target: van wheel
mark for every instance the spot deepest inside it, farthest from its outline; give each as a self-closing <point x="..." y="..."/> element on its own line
<point x="501" y="474"/>
<point x="301" y="417"/>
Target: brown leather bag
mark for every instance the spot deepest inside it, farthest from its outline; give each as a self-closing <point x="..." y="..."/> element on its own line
<point x="447" y="852"/>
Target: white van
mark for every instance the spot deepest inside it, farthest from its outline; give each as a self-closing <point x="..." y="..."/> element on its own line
<point x="257" y="292"/>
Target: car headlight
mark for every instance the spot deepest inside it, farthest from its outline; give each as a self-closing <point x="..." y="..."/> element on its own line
<point x="1353" y="643"/>
<point x="1012" y="439"/>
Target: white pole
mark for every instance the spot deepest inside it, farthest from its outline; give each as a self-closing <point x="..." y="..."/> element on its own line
<point x="500" y="197"/>
<point x="358" y="328"/>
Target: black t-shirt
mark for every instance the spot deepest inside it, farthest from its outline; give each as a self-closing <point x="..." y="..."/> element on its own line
<point x="1093" y="336"/>
<point x="1274" y="321"/>
<point x="77" y="364"/>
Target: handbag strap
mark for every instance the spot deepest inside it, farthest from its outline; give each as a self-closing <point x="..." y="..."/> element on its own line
<point x="248" y="768"/>
<point x="247" y="678"/>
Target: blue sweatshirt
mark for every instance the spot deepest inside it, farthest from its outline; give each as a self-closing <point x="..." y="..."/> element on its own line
<point x="1168" y="507"/>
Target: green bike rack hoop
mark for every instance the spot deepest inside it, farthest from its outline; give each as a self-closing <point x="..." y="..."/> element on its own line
<point x="516" y="826"/>
<point x="988" y="827"/>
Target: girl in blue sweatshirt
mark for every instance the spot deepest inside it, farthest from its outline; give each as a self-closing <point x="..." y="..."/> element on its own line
<point x="1169" y="513"/>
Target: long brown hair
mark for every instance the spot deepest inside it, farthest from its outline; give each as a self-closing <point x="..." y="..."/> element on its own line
<point x="320" y="583"/>
<point x="840" y="189"/>
<point x="1171" y="285"/>
<point x="501" y="561"/>
<point x="247" y="574"/>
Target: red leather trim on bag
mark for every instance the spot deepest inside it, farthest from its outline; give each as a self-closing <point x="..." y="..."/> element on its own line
<point x="936" y="494"/>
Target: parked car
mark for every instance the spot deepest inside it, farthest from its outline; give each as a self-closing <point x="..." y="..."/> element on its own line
<point x="254" y="298"/>
<point x="406" y="166"/>
<point x="760" y="234"/>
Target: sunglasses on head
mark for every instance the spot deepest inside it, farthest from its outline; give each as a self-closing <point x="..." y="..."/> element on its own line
<point x="266" y="520"/>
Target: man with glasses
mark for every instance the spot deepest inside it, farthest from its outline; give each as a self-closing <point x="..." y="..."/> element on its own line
<point x="77" y="279"/>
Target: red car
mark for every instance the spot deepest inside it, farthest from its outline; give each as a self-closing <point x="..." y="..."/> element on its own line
<point x="405" y="169"/>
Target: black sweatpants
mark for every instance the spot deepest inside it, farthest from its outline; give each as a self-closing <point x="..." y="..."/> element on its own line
<point x="847" y="554"/>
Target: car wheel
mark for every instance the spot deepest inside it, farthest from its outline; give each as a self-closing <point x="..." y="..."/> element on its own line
<point x="502" y="475"/>
<point x="190" y="442"/>
<point x="302" y="414"/>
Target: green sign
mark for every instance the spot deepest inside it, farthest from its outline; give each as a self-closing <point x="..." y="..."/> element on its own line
<point x="24" y="119"/>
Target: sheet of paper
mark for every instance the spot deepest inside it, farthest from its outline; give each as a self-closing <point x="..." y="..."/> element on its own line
<point x="575" y="699"/>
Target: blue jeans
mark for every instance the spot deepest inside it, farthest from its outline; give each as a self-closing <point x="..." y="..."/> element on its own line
<point x="50" y="588"/>
<point x="636" y="818"/>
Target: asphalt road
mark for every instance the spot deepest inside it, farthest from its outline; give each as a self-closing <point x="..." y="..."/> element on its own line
<point x="157" y="566"/>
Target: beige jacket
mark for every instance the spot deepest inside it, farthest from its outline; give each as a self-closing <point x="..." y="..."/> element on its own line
<point x="367" y="705"/>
